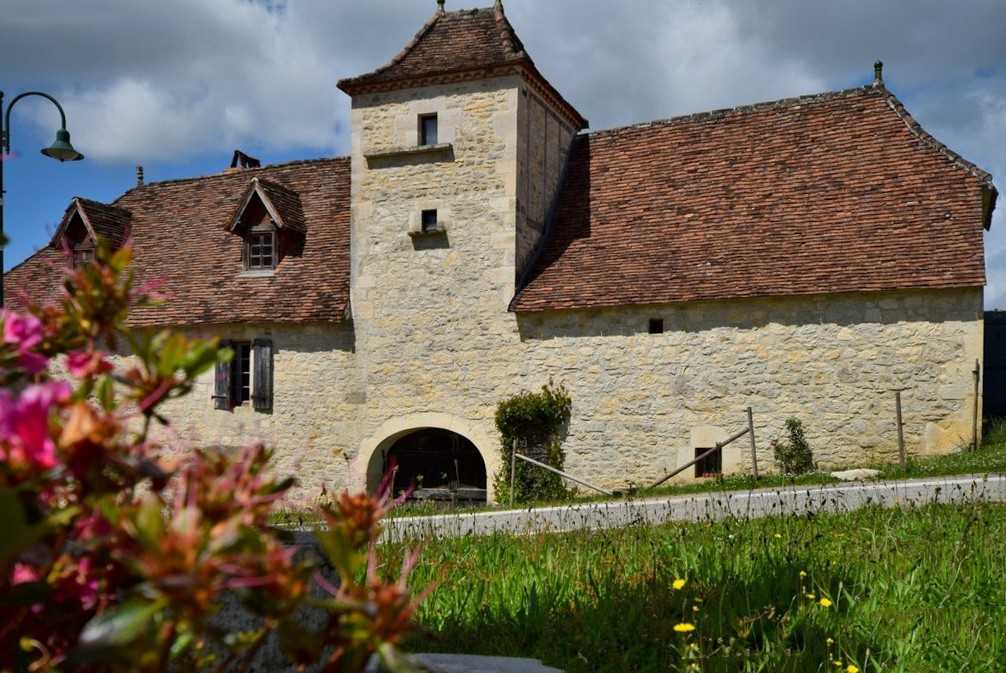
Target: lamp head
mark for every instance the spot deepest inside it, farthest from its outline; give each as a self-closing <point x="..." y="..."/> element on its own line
<point x="61" y="149"/>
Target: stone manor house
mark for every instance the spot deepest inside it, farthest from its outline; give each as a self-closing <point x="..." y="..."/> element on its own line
<point x="805" y="257"/>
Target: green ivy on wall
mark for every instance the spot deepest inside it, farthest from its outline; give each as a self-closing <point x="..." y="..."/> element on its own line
<point x="533" y="423"/>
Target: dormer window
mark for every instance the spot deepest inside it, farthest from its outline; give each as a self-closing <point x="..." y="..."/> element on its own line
<point x="427" y="130"/>
<point x="260" y="254"/>
<point x="270" y="221"/>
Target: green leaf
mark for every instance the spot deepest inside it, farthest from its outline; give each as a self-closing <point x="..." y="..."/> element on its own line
<point x="119" y="626"/>
<point x="149" y="523"/>
<point x="17" y="534"/>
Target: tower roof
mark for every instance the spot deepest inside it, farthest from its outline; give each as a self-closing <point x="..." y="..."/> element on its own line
<point x="458" y="46"/>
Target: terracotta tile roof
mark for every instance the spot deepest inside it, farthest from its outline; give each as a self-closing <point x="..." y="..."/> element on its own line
<point x="179" y="235"/>
<point x="839" y="192"/>
<point x="455" y="44"/>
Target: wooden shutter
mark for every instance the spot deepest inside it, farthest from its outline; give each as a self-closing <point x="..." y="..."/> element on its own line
<point x="222" y="383"/>
<point x="262" y="395"/>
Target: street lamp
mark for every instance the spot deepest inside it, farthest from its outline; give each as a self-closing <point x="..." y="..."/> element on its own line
<point x="60" y="150"/>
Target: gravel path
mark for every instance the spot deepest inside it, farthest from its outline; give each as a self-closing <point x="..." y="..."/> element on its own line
<point x="704" y="506"/>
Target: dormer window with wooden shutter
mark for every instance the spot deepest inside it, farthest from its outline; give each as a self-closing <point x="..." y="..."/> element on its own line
<point x="270" y="221"/>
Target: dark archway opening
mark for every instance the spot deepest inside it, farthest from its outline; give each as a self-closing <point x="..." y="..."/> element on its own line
<point x="441" y="466"/>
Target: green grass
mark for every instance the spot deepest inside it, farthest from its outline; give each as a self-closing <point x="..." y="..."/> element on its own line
<point x="913" y="590"/>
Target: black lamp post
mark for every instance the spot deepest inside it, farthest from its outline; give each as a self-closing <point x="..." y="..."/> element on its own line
<point x="61" y="150"/>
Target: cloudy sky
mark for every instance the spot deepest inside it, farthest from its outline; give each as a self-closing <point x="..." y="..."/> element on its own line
<point x="176" y="85"/>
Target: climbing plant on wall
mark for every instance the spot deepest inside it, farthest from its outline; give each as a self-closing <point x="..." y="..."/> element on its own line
<point x="533" y="422"/>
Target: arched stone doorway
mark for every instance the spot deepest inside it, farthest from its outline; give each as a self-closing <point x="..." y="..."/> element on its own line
<point x="439" y="464"/>
<point x="366" y="468"/>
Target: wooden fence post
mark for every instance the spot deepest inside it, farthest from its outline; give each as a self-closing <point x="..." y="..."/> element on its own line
<point x="974" y="420"/>
<point x="754" y="456"/>
<point x="513" y="468"/>
<point x="901" y="432"/>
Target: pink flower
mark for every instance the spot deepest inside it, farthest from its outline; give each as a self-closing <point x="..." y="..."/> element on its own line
<point x="24" y="424"/>
<point x="86" y="584"/>
<point x="25" y="332"/>
<point x="23" y="573"/>
<point x="86" y="363"/>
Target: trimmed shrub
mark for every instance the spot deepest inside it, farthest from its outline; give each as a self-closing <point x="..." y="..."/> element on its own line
<point x="532" y="422"/>
<point x="793" y="456"/>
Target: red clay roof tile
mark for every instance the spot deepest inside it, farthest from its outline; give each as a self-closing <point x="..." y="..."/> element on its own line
<point x="179" y="236"/>
<point x="833" y="193"/>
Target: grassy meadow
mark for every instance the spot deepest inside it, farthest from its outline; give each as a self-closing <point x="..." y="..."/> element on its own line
<point x="874" y="590"/>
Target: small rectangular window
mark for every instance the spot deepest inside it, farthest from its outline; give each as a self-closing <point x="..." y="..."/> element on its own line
<point x="428" y="130"/>
<point x="82" y="257"/>
<point x="241" y="373"/>
<point x="261" y="253"/>
<point x="711" y="465"/>
<point x="429" y="220"/>
<point x="656" y="325"/>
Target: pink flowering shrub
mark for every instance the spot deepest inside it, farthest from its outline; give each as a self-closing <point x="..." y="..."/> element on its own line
<point x="113" y="558"/>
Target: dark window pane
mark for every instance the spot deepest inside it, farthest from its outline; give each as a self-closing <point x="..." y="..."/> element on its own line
<point x="711" y="465"/>
<point x="260" y="251"/>
<point x="429" y="220"/>
<point x="242" y="373"/>
<point x="428" y="130"/>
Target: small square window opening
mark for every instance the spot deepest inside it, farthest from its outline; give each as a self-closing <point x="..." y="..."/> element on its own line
<point x="261" y="250"/>
<point x="428" y="130"/>
<point x="656" y="325"/>
<point x="711" y="465"/>
<point x="429" y="222"/>
<point x="241" y="374"/>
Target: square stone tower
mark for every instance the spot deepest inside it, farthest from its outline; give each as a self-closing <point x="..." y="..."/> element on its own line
<point x="458" y="148"/>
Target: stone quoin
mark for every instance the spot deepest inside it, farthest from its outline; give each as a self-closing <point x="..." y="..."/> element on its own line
<point x="805" y="257"/>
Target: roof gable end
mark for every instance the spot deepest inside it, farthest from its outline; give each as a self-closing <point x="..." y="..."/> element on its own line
<point x="460" y="45"/>
<point x="100" y="220"/>
<point x="282" y="204"/>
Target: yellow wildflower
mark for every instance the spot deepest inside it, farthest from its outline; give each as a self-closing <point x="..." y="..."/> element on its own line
<point x="803" y="574"/>
<point x="684" y="627"/>
<point x="851" y="668"/>
<point x="824" y="603"/>
<point x="678" y="584"/>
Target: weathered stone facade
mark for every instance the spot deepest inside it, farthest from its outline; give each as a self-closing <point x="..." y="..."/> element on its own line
<point x="432" y="343"/>
<point x="642" y="402"/>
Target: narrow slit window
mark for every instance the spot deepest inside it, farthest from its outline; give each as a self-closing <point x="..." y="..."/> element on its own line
<point x="428" y="130"/>
<point x="656" y="325"/>
<point x="261" y="250"/>
<point x="241" y="374"/>
<point x="429" y="220"/>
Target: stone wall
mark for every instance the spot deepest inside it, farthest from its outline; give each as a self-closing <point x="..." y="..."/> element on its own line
<point x="544" y="140"/>
<point x="430" y="312"/>
<point x="643" y="403"/>
<point x="315" y="400"/>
